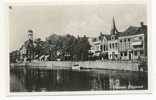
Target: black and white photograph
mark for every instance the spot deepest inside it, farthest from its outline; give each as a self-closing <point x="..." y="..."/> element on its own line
<point x="78" y="47"/>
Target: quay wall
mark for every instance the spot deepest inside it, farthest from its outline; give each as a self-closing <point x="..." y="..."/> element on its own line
<point x="113" y="65"/>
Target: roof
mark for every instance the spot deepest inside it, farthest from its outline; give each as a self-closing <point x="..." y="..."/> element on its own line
<point x="133" y="30"/>
<point x="108" y="37"/>
<point x="28" y="44"/>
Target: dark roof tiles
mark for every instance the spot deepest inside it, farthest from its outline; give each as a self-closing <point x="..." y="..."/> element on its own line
<point x="132" y="30"/>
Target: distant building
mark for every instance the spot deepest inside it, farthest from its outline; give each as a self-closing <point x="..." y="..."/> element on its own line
<point x="113" y="52"/>
<point x="104" y="45"/>
<point x="26" y="50"/>
<point x="23" y="53"/>
<point x="14" y="56"/>
<point x="95" y="46"/>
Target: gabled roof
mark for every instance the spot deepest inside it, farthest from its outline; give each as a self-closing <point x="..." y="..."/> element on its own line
<point x="107" y="36"/>
<point x="114" y="30"/>
<point x="133" y="30"/>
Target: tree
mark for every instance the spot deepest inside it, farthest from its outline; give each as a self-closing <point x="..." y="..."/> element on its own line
<point x="84" y="48"/>
<point x="69" y="47"/>
<point x="14" y="56"/>
<point x="30" y="49"/>
<point x="38" y="47"/>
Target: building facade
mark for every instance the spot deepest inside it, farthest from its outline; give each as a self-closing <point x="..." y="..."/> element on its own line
<point x="113" y="46"/>
<point x="95" y="46"/>
<point x="104" y="45"/>
<point x="130" y="44"/>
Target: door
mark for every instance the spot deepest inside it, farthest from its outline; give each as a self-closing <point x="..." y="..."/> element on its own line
<point x="130" y="56"/>
<point x="113" y="55"/>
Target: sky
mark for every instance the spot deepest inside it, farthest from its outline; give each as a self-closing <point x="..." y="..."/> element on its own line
<point x="80" y="20"/>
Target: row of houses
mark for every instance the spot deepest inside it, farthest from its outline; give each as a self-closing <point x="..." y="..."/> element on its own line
<point x="130" y="44"/>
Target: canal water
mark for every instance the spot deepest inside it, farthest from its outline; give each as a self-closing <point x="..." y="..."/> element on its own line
<point x="37" y="80"/>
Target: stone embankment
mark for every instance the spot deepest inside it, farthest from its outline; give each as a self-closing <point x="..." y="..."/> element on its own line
<point x="113" y="65"/>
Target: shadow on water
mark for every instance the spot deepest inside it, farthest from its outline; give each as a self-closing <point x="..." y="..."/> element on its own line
<point x="75" y="80"/>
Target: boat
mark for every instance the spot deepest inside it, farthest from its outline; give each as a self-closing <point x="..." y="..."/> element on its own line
<point x="76" y="67"/>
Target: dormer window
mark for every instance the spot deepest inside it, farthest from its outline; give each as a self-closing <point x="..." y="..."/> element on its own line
<point x="112" y="37"/>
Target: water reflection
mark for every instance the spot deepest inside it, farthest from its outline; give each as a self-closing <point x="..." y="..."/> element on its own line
<point x="75" y="80"/>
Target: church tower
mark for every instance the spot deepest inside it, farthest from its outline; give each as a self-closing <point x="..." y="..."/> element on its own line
<point x="114" y="30"/>
<point x="30" y="35"/>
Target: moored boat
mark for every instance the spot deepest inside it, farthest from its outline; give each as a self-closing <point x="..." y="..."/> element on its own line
<point x="76" y="67"/>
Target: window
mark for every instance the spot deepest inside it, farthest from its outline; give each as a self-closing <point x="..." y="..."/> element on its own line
<point x="121" y="41"/>
<point x="125" y="40"/>
<point x="96" y="51"/>
<point x="104" y="47"/>
<point x="125" y="53"/>
<point x="110" y="45"/>
<point x="116" y="45"/>
<point x="121" y="54"/>
<point x="141" y="52"/>
<point x="94" y="40"/>
<point x="101" y="47"/>
<point x="135" y="53"/>
<point x="112" y="37"/>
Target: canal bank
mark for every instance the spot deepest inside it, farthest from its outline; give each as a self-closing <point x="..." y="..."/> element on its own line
<point x="41" y="80"/>
<point x="111" y="65"/>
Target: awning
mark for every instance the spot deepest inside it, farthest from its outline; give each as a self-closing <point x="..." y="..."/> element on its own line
<point x="137" y="43"/>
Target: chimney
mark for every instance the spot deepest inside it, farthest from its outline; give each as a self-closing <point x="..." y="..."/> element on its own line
<point x="142" y="24"/>
<point x="100" y="33"/>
